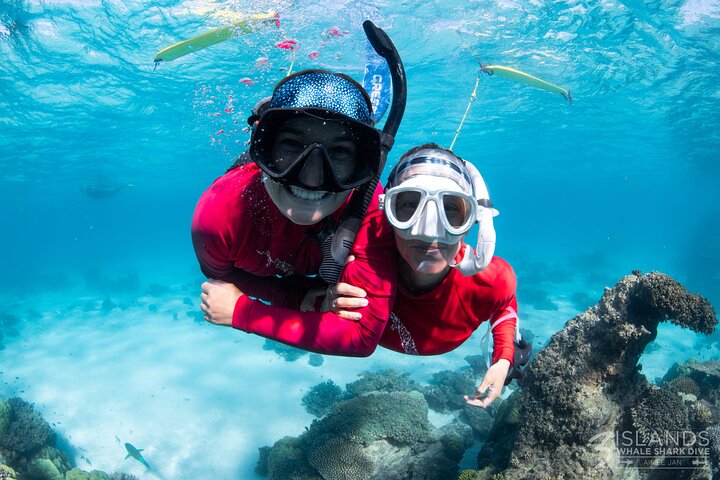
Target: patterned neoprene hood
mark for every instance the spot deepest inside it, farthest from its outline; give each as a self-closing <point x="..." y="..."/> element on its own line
<point x="323" y="89"/>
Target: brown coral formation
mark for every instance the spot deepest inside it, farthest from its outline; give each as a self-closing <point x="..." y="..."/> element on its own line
<point x="585" y="387"/>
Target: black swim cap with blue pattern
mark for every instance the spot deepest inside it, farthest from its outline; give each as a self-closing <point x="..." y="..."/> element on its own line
<point x="322" y="89"/>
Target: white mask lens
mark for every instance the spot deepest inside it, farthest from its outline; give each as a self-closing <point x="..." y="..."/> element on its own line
<point x="457" y="209"/>
<point x="406" y="204"/>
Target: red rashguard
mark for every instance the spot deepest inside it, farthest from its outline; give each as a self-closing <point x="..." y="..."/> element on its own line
<point x="441" y="320"/>
<point x="374" y="270"/>
<point x="241" y="237"/>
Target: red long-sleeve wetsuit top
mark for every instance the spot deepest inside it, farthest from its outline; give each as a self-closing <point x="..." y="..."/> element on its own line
<point x="241" y="237"/>
<point x="441" y="320"/>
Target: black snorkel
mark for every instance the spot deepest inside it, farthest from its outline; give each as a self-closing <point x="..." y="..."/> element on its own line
<point x="336" y="247"/>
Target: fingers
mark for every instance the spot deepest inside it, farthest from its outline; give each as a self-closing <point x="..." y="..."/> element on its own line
<point x="474" y="402"/>
<point x="353" y="316"/>
<point x="350" y="258"/>
<point x="204" y="305"/>
<point x="347" y="290"/>
<point x="493" y="393"/>
<point x="348" y="302"/>
<point x="485" y="394"/>
<point x="345" y="296"/>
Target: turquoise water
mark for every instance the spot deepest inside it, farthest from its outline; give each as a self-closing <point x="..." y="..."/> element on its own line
<point x="625" y="178"/>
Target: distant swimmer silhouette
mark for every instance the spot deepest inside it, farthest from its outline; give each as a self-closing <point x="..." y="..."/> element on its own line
<point x="103" y="190"/>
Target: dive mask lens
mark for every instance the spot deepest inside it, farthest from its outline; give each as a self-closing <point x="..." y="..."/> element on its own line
<point x="459" y="212"/>
<point x="404" y="207"/>
<point x="283" y="138"/>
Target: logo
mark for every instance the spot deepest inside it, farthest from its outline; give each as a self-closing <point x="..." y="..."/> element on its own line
<point x="654" y="450"/>
<point x="376" y="86"/>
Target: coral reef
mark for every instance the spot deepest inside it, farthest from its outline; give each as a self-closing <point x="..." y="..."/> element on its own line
<point x="381" y="381"/>
<point x="714" y="434"/>
<point x="28" y="450"/>
<point x="447" y="388"/>
<point x="480" y="420"/>
<point x="7" y="473"/>
<point x="77" y="474"/>
<point x="683" y="384"/>
<point x="24" y="432"/>
<point x="377" y="435"/>
<point x="478" y="363"/>
<point x="706" y="376"/>
<point x="658" y="410"/>
<point x="586" y="386"/>
<point x="340" y="459"/>
<point x="320" y="399"/>
<point x="395" y="416"/>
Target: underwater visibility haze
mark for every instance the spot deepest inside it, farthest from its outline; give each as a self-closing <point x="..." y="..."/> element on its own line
<point x="104" y="155"/>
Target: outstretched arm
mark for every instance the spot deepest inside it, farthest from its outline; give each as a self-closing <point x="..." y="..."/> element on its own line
<point x="503" y="324"/>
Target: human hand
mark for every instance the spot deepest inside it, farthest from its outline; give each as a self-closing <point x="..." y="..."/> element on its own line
<point x="493" y="382"/>
<point x="343" y="296"/>
<point x="218" y="301"/>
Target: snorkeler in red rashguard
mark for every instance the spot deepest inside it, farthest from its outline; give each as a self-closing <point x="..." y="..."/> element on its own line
<point x="256" y="226"/>
<point x="260" y="226"/>
<point x="446" y="289"/>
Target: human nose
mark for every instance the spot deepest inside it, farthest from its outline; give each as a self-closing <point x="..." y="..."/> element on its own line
<point x="428" y="225"/>
<point x="312" y="172"/>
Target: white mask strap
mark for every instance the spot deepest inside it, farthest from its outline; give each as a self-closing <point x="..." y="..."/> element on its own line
<point x="478" y="260"/>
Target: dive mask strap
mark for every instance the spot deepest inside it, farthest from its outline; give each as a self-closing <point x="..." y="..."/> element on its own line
<point x="478" y="260"/>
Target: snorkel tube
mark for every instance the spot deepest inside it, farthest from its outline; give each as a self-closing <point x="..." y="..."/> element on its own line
<point x="336" y="247"/>
<point x="477" y="261"/>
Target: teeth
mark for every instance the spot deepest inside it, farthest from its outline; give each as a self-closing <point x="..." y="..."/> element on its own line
<point x="307" y="194"/>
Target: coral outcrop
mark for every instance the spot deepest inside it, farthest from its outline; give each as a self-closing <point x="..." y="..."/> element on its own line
<point x="319" y="399"/>
<point x="28" y="450"/>
<point x="375" y="435"/>
<point x="585" y="388"/>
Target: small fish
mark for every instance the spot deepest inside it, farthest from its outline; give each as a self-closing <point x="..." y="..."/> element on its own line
<point x="247" y="81"/>
<point x="260" y="61"/>
<point x="287" y="44"/>
<point x="313" y="55"/>
<point x="135" y="453"/>
<point x="277" y="20"/>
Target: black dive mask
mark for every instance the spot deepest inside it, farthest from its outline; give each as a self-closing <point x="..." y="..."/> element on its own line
<point x="286" y="139"/>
